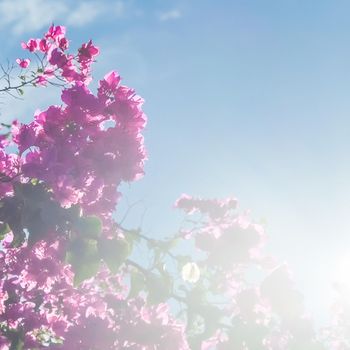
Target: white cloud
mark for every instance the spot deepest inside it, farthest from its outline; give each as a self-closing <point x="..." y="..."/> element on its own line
<point x="85" y="13"/>
<point x="25" y="16"/>
<point x="170" y="15"/>
<point x="31" y="15"/>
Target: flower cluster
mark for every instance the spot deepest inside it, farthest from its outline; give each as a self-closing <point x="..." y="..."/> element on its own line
<point x="54" y="192"/>
<point x="72" y="277"/>
<point x="227" y="238"/>
<point x="267" y="314"/>
<point x="53" y="47"/>
<point x="39" y="302"/>
<point x="86" y="147"/>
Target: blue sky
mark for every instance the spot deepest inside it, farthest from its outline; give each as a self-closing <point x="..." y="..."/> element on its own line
<point x="244" y="98"/>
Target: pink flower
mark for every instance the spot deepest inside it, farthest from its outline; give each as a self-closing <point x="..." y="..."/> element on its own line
<point x="44" y="45"/>
<point x="31" y="45"/>
<point x="23" y="63"/>
<point x="41" y="80"/>
<point x="58" y="59"/>
<point x="55" y="33"/>
<point x="63" y="44"/>
<point x="87" y="52"/>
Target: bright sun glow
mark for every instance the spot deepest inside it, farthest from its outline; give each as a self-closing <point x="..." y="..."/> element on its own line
<point x="342" y="272"/>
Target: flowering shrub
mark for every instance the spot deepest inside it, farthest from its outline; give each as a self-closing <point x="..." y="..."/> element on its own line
<point x="70" y="278"/>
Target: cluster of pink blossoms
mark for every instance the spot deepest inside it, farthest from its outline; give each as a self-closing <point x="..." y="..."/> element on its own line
<point x="56" y="59"/>
<point x="85" y="148"/>
<point x="78" y="153"/>
<point x="39" y="303"/>
<point x="227" y="240"/>
<point x="268" y="314"/>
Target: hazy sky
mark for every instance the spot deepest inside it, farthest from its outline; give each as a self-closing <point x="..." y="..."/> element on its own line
<point x="244" y="98"/>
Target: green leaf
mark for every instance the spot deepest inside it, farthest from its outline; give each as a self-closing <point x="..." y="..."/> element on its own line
<point x="4" y="229"/>
<point x="132" y="236"/>
<point x="84" y="258"/>
<point x="114" y="252"/>
<point x="197" y="297"/>
<point x="89" y="227"/>
<point x="10" y="212"/>
<point x="182" y="260"/>
<point x="34" y="181"/>
<point x="158" y="254"/>
<point x="159" y="287"/>
<point x="168" y="244"/>
<point x="212" y="316"/>
<point x="74" y="213"/>
<point x="51" y="214"/>
<point x="36" y="227"/>
<point x="35" y="193"/>
<point x="16" y="337"/>
<point x="18" y="237"/>
<point x="85" y="270"/>
<point x="17" y="345"/>
<point x="84" y="248"/>
<point x="20" y="91"/>
<point x="137" y="283"/>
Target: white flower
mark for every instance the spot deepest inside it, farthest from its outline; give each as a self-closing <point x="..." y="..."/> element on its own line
<point x="190" y="272"/>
